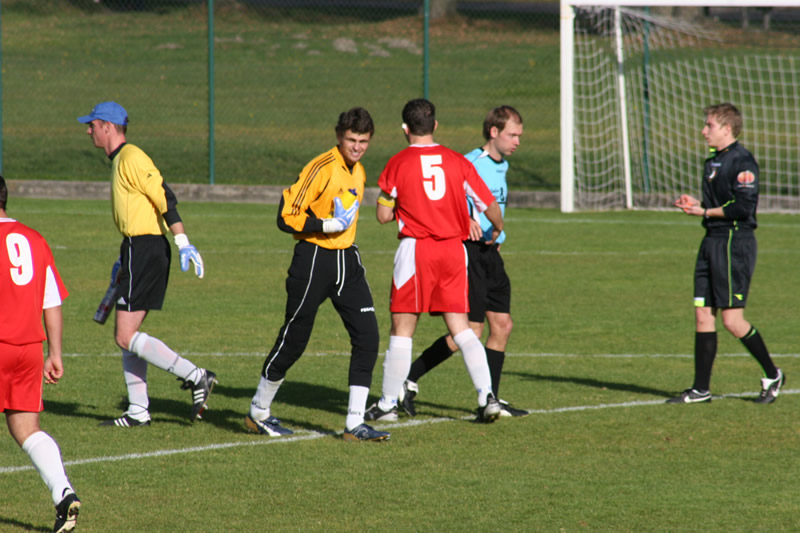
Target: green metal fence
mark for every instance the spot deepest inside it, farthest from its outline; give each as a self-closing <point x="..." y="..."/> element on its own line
<point x="273" y="82"/>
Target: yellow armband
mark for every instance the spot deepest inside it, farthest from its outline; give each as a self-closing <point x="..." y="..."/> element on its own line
<point x="386" y="200"/>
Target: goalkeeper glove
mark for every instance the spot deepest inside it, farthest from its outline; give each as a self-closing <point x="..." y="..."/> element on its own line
<point x="189" y="253"/>
<point x="342" y="218"/>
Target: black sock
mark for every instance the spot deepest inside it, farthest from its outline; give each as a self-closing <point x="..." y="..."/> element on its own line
<point x="495" y="360"/>
<point x="705" y="350"/>
<point x="436" y="353"/>
<point x="755" y="345"/>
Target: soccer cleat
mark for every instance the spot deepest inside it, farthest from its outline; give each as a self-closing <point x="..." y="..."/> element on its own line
<point x="126" y="421"/>
<point x="379" y="415"/>
<point x="364" y="432"/>
<point x="271" y="426"/>
<point x="410" y="391"/>
<point x="691" y="396"/>
<point x="201" y="390"/>
<point x="489" y="412"/>
<point x="506" y="410"/>
<point x="67" y="513"/>
<point x="771" y="388"/>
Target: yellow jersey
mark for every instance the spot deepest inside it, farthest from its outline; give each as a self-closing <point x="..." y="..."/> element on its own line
<point x="141" y="201"/>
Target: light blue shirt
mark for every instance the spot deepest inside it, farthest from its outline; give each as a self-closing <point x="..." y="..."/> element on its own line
<point x="493" y="174"/>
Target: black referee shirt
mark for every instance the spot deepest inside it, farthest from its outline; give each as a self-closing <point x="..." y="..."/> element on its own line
<point x="730" y="181"/>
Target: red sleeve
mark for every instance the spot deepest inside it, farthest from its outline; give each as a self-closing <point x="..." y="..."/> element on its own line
<point x="477" y="189"/>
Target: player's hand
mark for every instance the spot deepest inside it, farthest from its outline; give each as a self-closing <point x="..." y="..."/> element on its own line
<point x="495" y="234"/>
<point x="475" y="231"/>
<point x="189" y="254"/>
<point x="686" y="201"/>
<point x="53" y="370"/>
<point x="342" y="218"/>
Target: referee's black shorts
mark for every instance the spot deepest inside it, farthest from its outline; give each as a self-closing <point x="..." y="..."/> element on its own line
<point x="725" y="264"/>
<point x="489" y="286"/>
<point x="144" y="273"/>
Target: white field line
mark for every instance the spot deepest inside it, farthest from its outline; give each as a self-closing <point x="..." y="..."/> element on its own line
<point x="312" y="435"/>
<point x="508" y="354"/>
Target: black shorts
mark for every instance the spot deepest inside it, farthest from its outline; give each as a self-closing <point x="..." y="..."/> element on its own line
<point x="725" y="265"/>
<point x="489" y="286"/>
<point x="144" y="273"/>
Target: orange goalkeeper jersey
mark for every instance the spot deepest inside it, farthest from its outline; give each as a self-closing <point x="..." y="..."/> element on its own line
<point x="322" y="180"/>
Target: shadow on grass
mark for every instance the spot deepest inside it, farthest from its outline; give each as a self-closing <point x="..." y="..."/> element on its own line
<point x="292" y="393"/>
<point x="9" y="524"/>
<point x="161" y="410"/>
<point x="309" y="396"/>
<point x="295" y="393"/>
<point x="594" y="383"/>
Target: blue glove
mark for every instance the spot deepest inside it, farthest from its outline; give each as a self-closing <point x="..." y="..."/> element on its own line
<point x="189" y="253"/>
<point x="342" y="218"/>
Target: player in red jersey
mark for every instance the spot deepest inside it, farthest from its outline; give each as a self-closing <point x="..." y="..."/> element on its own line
<point x="423" y="188"/>
<point x="31" y="287"/>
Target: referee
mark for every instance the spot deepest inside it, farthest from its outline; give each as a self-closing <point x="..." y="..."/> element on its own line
<point x="727" y="255"/>
<point x="326" y="264"/>
<point x="144" y="210"/>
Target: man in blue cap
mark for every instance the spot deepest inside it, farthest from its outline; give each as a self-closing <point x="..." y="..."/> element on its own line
<point x="144" y="209"/>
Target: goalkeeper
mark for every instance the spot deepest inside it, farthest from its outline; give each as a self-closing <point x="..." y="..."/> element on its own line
<point x="727" y="255"/>
<point x="144" y="210"/>
<point x="321" y="211"/>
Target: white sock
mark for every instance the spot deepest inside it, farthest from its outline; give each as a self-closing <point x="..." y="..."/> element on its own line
<point x="356" y="406"/>
<point x="262" y="400"/>
<point x="396" y="367"/>
<point x="475" y="360"/>
<point x="46" y="457"/>
<point x="134" y="370"/>
<point x="159" y="354"/>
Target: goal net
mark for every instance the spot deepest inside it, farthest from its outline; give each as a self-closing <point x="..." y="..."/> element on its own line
<point x="635" y="77"/>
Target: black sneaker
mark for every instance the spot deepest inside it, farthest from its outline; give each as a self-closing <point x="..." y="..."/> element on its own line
<point x="410" y="391"/>
<point x="67" y="513"/>
<point x="692" y="396"/>
<point x="507" y="410"/>
<point x="489" y="412"/>
<point x="771" y="388"/>
<point x="379" y="415"/>
<point x="201" y="390"/>
<point x="364" y="432"/>
<point x="126" y="422"/>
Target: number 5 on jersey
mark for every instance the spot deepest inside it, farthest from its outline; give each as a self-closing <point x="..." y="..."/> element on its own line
<point x="433" y="176"/>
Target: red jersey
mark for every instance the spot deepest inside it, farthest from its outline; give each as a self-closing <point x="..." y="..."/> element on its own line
<point x="428" y="184"/>
<point x="29" y="283"/>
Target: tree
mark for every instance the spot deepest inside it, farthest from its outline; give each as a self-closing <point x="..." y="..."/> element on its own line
<point x="691" y="14"/>
<point x="442" y="8"/>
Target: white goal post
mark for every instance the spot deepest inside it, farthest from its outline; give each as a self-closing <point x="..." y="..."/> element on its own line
<point x="634" y="82"/>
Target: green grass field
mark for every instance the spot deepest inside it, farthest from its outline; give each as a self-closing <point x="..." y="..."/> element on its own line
<point x="603" y="335"/>
<point x="281" y="78"/>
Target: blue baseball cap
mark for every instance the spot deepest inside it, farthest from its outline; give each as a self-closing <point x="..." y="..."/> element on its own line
<point x="108" y="111"/>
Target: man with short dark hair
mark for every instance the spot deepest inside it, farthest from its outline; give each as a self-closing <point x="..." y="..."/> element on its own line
<point x="489" y="285"/>
<point x="727" y="256"/>
<point x="321" y="212"/>
<point x="145" y="210"/>
<point x="31" y="288"/>
<point x="423" y="188"/>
